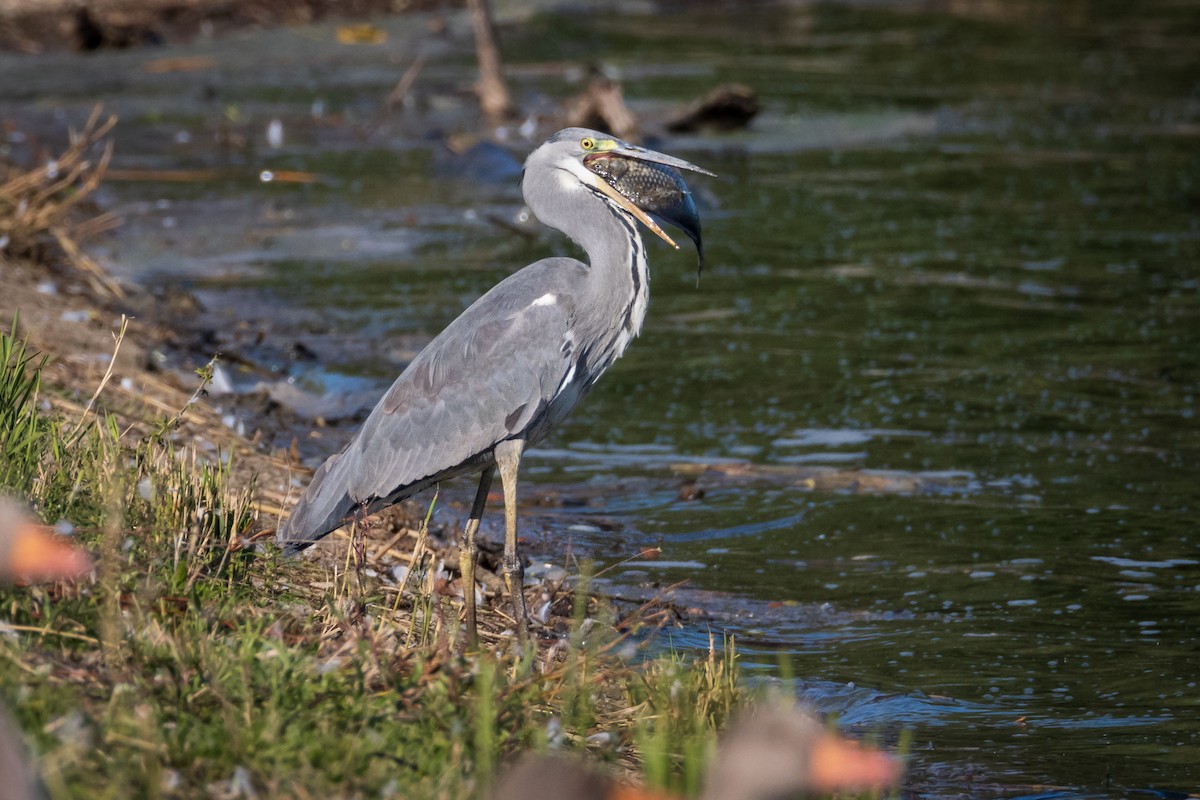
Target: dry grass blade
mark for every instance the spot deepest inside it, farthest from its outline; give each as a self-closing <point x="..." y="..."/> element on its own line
<point x="119" y="337"/>
<point x="39" y="207"/>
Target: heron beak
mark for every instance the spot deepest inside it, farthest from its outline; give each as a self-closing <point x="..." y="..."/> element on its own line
<point x="626" y="150"/>
<point x="645" y="182"/>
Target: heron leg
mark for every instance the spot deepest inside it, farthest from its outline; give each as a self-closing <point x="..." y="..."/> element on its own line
<point x="508" y="460"/>
<point x="468" y="555"/>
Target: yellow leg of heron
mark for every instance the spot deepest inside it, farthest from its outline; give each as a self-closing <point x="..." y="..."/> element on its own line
<point x="508" y="461"/>
<point x="468" y="556"/>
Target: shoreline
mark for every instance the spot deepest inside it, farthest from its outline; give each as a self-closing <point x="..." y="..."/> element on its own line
<point x="29" y="26"/>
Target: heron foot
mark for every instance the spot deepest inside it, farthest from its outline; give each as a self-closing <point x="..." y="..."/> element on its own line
<point x="468" y="554"/>
<point x="514" y="578"/>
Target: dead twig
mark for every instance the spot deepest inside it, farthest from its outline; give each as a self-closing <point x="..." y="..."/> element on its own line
<point x="40" y="206"/>
<point x="120" y="337"/>
<point x="396" y="95"/>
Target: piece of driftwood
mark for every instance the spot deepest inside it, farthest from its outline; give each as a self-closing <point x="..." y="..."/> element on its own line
<point x="494" y="98"/>
<point x="728" y="107"/>
<point x="602" y="106"/>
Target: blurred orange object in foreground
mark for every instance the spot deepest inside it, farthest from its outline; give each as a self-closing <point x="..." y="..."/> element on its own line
<point x="31" y="553"/>
<point x="766" y="755"/>
<point x="28" y="553"/>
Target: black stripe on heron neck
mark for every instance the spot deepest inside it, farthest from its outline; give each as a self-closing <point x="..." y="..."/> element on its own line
<point x="635" y="248"/>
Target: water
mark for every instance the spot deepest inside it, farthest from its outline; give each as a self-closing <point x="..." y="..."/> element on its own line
<point x="950" y="317"/>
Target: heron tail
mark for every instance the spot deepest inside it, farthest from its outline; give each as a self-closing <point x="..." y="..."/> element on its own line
<point x="324" y="507"/>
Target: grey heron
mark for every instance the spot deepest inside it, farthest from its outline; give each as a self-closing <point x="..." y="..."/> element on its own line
<point x="506" y="371"/>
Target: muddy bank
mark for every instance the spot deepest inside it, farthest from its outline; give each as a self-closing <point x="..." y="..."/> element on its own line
<point x="77" y="332"/>
<point x="34" y="27"/>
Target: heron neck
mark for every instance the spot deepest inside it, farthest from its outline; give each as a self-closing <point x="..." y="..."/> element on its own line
<point x="618" y="282"/>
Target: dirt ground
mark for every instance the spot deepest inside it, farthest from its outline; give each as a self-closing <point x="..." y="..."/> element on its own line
<point x="77" y="332"/>
<point x="32" y="26"/>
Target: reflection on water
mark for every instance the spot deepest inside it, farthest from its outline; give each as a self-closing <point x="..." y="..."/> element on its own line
<point x="934" y="402"/>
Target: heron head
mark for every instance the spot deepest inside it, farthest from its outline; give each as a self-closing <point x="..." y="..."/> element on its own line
<point x="642" y="182"/>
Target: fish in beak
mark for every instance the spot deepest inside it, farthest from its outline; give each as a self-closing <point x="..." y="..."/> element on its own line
<point x="644" y="183"/>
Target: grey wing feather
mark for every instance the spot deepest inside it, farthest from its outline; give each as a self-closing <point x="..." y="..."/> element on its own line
<point x="484" y="379"/>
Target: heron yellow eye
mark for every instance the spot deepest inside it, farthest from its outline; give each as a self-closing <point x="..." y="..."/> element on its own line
<point x="587" y="143"/>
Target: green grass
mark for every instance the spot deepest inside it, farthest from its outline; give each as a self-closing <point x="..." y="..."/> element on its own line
<point x="193" y="664"/>
<point x="683" y="705"/>
<point x="23" y="432"/>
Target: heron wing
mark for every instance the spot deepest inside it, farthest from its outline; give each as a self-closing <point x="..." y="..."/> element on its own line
<point x="474" y="387"/>
<point x="484" y="379"/>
